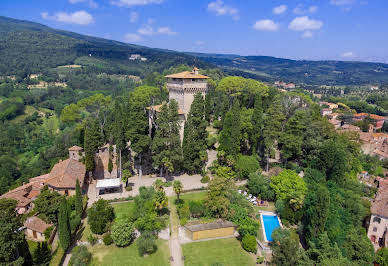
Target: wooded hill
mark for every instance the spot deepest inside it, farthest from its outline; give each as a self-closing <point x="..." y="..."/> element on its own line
<point x="27" y="47"/>
<point x="267" y="68"/>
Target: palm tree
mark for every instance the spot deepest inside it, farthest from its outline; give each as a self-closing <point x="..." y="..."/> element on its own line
<point x="158" y="184"/>
<point x="178" y="187"/>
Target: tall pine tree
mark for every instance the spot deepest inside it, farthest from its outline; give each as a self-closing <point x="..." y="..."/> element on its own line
<point x="195" y="136"/>
<point x="64" y="225"/>
<point x="257" y="122"/>
<point x="272" y="127"/>
<point x="166" y="145"/>
<point x="231" y="131"/>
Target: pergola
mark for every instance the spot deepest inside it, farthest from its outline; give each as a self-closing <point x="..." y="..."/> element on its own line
<point x="110" y="183"/>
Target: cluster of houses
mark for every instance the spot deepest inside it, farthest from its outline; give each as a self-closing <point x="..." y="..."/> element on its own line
<point x="135" y="57"/>
<point x="284" y="85"/>
<point x="376" y="144"/>
<point x="62" y="179"/>
<point x="373" y="142"/>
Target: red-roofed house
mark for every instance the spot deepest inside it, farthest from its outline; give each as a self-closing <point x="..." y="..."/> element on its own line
<point x="377" y="231"/>
<point x="35" y="228"/>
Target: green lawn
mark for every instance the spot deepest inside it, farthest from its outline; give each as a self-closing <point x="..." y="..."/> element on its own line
<point x="193" y="195"/>
<point x="270" y="208"/>
<point x="123" y="209"/>
<point x="226" y="251"/>
<point x="112" y="255"/>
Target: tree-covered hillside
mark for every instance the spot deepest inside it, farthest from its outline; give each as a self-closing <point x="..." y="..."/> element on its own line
<point x="268" y="68"/>
<point x="28" y="47"/>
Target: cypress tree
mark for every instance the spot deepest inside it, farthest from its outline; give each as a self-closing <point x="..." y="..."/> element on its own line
<point x="209" y="104"/>
<point x="257" y="122"/>
<point x="231" y="131"/>
<point x="78" y="199"/>
<point x="64" y="225"/>
<point x="92" y="141"/>
<point x="195" y="135"/>
<point x="166" y="145"/>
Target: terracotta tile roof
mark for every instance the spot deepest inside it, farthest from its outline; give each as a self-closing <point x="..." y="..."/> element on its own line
<point x="187" y="75"/>
<point x="382" y="154"/>
<point x="380" y="203"/>
<point x="376" y="117"/>
<point x="36" y="224"/>
<point x="64" y="174"/>
<point x="157" y="109"/>
<point x="20" y="196"/>
<point x="360" y="115"/>
<point x="27" y="192"/>
<point x="75" y="148"/>
<point x="372" y="116"/>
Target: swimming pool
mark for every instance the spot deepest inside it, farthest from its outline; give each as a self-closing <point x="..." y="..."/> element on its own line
<point x="271" y="222"/>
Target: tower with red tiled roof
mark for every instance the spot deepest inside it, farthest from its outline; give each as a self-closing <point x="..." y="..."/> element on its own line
<point x="183" y="86"/>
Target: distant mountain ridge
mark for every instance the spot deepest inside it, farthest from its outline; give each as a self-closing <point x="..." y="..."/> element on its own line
<point x="326" y="72"/>
<point x="28" y="47"/>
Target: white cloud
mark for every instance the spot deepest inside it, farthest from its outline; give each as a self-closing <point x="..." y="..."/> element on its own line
<point x="305" y="23"/>
<point x="132" y="37"/>
<point x="266" y="25"/>
<point x="79" y="17"/>
<point x="341" y="2"/>
<point x="221" y="9"/>
<point x="199" y="43"/>
<point x="347" y="54"/>
<point x="90" y="2"/>
<point x="166" y="31"/>
<point x="148" y="30"/>
<point x="279" y="9"/>
<point x="130" y="3"/>
<point x="133" y="17"/>
<point x="307" y="34"/>
<point x="300" y="10"/>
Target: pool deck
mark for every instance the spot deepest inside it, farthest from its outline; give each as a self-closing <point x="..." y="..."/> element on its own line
<point x="262" y="222"/>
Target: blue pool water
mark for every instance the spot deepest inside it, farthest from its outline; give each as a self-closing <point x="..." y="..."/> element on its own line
<point x="271" y="222"/>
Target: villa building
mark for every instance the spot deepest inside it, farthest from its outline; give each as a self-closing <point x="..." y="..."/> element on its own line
<point x="377" y="232"/>
<point x="182" y="87"/>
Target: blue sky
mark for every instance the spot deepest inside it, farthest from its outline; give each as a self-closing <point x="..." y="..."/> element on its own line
<point x="298" y="29"/>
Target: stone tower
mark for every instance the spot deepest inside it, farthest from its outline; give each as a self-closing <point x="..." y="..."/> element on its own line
<point x="183" y="86"/>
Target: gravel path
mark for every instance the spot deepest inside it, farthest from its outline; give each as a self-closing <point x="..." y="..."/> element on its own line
<point x="175" y="247"/>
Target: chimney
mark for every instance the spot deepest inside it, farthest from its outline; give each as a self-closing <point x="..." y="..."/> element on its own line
<point x="195" y="71"/>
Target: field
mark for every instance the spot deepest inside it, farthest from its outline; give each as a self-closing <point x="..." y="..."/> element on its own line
<point x="112" y="255"/>
<point x="226" y="251"/>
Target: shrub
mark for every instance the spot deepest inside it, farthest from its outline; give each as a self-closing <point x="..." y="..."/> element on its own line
<point x="167" y="184"/>
<point x="260" y="260"/>
<point x="48" y="231"/>
<point x="217" y="124"/>
<point x="184" y="211"/>
<point x="122" y="233"/>
<point x="249" y="243"/>
<point x="107" y="239"/>
<point x="246" y="165"/>
<point x="99" y="216"/>
<point x="80" y="256"/>
<point x="128" y="188"/>
<point x="248" y="227"/>
<point x="146" y="244"/>
<point x="92" y="239"/>
<point x="197" y="208"/>
<point x="205" y="179"/>
<point x="211" y="141"/>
